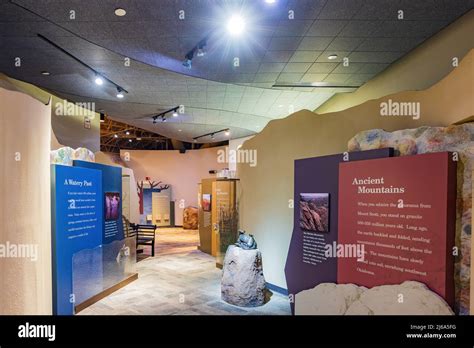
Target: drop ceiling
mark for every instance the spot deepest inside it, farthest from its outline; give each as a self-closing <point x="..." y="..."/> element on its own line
<point x="216" y="94"/>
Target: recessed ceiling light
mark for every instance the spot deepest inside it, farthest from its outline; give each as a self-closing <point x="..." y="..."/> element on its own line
<point x="45" y="73"/>
<point x="115" y="136"/>
<point x="236" y="25"/>
<point x="180" y="130"/>
<point x="120" y="12"/>
<point x="127" y="132"/>
<point x="99" y="81"/>
<point x="332" y="56"/>
<point x="129" y="140"/>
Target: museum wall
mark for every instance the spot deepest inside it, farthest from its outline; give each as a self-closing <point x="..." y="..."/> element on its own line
<point x="25" y="134"/>
<point x="67" y="130"/>
<point x="421" y="68"/>
<point x="182" y="171"/>
<point x="267" y="187"/>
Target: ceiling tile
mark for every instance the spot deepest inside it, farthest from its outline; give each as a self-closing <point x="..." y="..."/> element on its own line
<point x="326" y="28"/>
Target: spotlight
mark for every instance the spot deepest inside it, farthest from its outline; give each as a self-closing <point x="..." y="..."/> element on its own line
<point x="175" y="114"/>
<point x="127" y="132"/>
<point x="236" y="25"/>
<point x="120" y="12"/>
<point x="119" y="93"/>
<point x="227" y="133"/>
<point x="201" y="48"/>
<point x="187" y="63"/>
<point x="129" y="140"/>
<point x="115" y="136"/>
<point x="98" y="80"/>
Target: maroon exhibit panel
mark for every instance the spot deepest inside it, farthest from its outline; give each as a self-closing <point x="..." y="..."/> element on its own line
<point x="402" y="210"/>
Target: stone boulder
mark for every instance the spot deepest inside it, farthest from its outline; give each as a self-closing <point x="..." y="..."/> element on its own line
<point x="190" y="218"/>
<point x="408" y="298"/>
<point x="243" y="283"/>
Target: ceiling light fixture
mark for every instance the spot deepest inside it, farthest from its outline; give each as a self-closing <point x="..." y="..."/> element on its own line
<point x="99" y="81"/>
<point x="212" y="134"/>
<point x="127" y="132"/>
<point x="97" y="75"/>
<point x="270" y="1"/>
<point x="129" y="140"/>
<point x="162" y="115"/>
<point x="45" y="73"/>
<point x="120" y="12"/>
<point x="332" y="56"/>
<point x="119" y="93"/>
<point x="139" y="139"/>
<point x="115" y="136"/>
<point x="235" y="25"/>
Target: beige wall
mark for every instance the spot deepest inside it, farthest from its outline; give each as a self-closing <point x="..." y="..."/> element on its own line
<point x="182" y="171"/>
<point x="418" y="70"/>
<point x="67" y="130"/>
<point x="25" y="215"/>
<point x="267" y="187"/>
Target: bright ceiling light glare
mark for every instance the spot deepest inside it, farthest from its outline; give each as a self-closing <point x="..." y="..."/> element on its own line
<point x="120" y="12"/>
<point x="45" y="73"/>
<point x="332" y="56"/>
<point x="99" y="81"/>
<point x="127" y="132"/>
<point x="119" y="93"/>
<point x="115" y="136"/>
<point x="180" y="130"/>
<point x="227" y="133"/>
<point x="129" y="140"/>
<point x="139" y="139"/>
<point x="175" y="114"/>
<point x="270" y="1"/>
<point x="235" y="25"/>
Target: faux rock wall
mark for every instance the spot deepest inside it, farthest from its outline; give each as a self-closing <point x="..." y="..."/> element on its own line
<point x="459" y="139"/>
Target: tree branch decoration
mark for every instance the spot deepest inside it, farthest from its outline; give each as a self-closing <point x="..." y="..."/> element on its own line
<point x="154" y="185"/>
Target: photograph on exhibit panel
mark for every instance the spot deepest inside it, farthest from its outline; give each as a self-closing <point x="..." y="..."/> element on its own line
<point x="112" y="204"/>
<point x="206" y="202"/>
<point x="314" y="212"/>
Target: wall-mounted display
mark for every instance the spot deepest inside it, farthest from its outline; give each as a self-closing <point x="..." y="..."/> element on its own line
<point x="401" y="211"/>
<point x="306" y="264"/>
<point x="206" y="202"/>
<point x="314" y="212"/>
<point x="112" y="204"/>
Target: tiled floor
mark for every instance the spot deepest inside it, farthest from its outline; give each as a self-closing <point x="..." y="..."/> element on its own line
<point x="179" y="280"/>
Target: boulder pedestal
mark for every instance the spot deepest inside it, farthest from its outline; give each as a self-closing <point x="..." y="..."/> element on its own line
<point x="190" y="218"/>
<point x="243" y="283"/>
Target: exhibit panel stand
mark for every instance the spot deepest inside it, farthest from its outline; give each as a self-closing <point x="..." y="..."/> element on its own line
<point x="205" y="220"/>
<point x="225" y="216"/>
<point x="91" y="256"/>
<point x="218" y="216"/>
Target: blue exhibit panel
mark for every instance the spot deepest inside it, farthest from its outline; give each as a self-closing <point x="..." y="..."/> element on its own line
<point x="111" y="199"/>
<point x="76" y="200"/>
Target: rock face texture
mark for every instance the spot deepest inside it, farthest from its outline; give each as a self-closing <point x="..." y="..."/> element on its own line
<point x="458" y="139"/>
<point x="243" y="283"/>
<point x="65" y="155"/>
<point x="408" y="298"/>
<point x="190" y="218"/>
